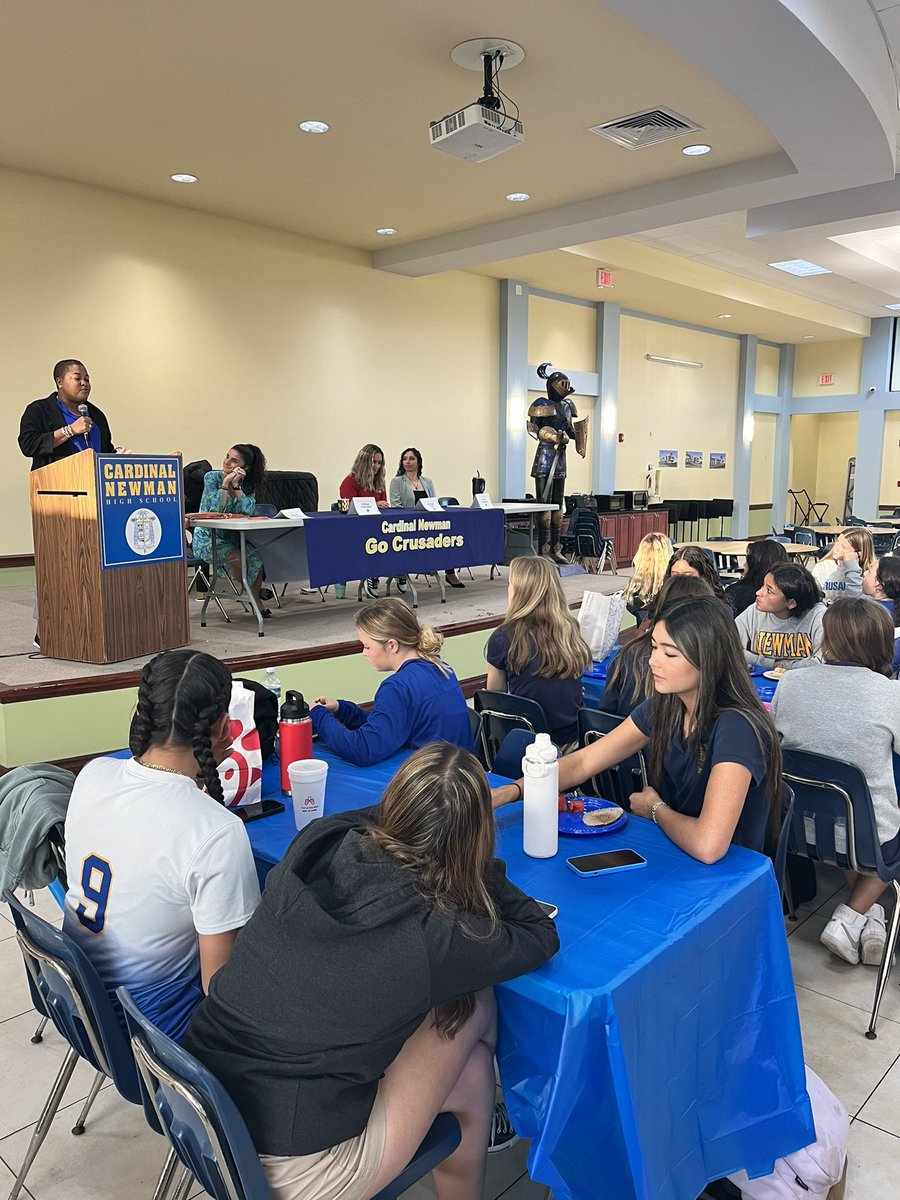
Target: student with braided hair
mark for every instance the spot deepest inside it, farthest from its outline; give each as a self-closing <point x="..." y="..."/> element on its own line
<point x="161" y="876"/>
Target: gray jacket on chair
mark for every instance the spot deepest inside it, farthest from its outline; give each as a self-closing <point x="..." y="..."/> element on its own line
<point x="33" y="800"/>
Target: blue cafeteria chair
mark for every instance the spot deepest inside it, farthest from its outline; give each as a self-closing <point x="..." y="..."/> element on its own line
<point x="208" y="1134"/>
<point x="834" y="822"/>
<point x="65" y="985"/>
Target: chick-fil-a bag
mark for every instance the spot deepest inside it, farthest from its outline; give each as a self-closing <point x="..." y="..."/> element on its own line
<point x="241" y="772"/>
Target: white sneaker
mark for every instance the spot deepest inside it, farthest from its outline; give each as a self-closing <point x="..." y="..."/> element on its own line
<point x="370" y="588"/>
<point x="842" y="933"/>
<point x="874" y="936"/>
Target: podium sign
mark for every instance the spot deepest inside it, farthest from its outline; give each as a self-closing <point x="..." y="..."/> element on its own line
<point x="139" y="509"/>
<point x="91" y="513"/>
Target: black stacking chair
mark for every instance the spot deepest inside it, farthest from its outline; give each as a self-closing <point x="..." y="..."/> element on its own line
<point x="620" y="781"/>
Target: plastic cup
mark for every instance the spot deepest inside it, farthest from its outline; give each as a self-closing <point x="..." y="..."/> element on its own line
<point x="307" y="778"/>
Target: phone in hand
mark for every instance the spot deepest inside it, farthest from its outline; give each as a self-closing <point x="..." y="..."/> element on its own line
<point x="548" y="909"/>
<point x="606" y="862"/>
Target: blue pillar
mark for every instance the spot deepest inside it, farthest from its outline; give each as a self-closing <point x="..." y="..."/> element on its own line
<point x="782" y="456"/>
<point x="605" y="417"/>
<point x="513" y="401"/>
<point x="743" y="436"/>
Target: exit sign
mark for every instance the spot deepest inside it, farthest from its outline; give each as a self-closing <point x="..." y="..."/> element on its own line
<point x="604" y="278"/>
<point x="826" y="380"/>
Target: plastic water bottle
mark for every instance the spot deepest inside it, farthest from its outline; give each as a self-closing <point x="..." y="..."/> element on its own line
<point x="272" y="683"/>
<point x="540" y="800"/>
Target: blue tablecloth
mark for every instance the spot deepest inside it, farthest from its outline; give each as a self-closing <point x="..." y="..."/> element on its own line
<point x="660" y="1048"/>
<point x="594" y="680"/>
<point x="401" y="541"/>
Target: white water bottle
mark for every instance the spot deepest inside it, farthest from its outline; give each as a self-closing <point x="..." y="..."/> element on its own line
<point x="541" y="798"/>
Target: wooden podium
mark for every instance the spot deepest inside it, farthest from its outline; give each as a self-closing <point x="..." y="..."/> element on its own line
<point x="89" y="612"/>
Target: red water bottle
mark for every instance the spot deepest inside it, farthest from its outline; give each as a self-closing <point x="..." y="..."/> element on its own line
<point x="294" y="735"/>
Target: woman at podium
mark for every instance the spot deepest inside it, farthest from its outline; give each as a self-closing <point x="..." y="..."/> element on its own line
<point x="63" y="423"/>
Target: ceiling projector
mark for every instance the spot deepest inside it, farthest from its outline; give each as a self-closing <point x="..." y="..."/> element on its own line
<point x="476" y="133"/>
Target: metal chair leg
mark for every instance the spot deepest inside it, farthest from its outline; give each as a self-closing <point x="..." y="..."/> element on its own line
<point x="38" y="1035"/>
<point x="45" y="1120"/>
<point x="884" y="970"/>
<point x="99" y="1079"/>
<point x="183" y="1189"/>
<point x="166" y="1176"/>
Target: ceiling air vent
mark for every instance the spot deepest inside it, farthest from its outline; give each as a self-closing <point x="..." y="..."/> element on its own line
<point x="645" y="128"/>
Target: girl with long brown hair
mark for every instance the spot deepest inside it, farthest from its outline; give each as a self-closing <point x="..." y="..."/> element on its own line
<point x="358" y="1003"/>
<point x="421" y="701"/>
<point x="538" y="652"/>
<point x="715" y="762"/>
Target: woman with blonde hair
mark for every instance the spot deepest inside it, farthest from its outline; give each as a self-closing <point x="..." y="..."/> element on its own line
<point x="650" y="562"/>
<point x="421" y="701"/>
<point x="538" y="652"/>
<point x="366" y="478"/>
<point x="840" y="572"/>
<point x="360" y="995"/>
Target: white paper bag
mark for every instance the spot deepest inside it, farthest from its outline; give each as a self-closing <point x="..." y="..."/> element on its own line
<point x="599" y="619"/>
<point x="241" y="772"/>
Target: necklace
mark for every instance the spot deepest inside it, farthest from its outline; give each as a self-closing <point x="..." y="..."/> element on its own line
<point x="157" y="767"/>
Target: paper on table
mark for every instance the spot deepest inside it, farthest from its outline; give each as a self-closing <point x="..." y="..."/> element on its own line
<point x="292" y="514"/>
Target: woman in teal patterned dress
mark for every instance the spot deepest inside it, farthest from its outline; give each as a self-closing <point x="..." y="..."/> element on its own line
<point x="233" y="490"/>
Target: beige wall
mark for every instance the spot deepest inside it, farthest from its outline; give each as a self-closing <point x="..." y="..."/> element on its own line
<point x="890" y="463"/>
<point x="768" y="359"/>
<point x="821" y="444"/>
<point x="561" y="333"/>
<point x="842" y="359"/>
<point x="199" y="332"/>
<point x="663" y="407"/>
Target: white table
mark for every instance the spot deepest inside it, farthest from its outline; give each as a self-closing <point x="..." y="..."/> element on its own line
<point x="520" y="508"/>
<point x="287" y="566"/>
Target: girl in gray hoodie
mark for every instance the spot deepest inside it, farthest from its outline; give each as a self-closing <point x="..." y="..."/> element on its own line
<point x="784" y="627"/>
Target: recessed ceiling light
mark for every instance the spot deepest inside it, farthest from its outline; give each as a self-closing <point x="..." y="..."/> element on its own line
<point x="799" y="266"/>
<point x="809" y="337"/>
<point x="518" y="197"/>
<point x="183" y="178"/>
<point x="724" y="316"/>
<point x="313" y="127"/>
<point x="386" y="231"/>
<point x="699" y="148"/>
<point x="892" y="307"/>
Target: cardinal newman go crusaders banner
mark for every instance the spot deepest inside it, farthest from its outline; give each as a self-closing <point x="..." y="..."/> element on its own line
<point x="401" y="541"/>
<point x="140" y="509"/>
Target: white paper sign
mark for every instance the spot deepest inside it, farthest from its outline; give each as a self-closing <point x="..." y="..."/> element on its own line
<point x="430" y="504"/>
<point x="293" y="514"/>
<point x="364" y="506"/>
<point x="482" y="500"/>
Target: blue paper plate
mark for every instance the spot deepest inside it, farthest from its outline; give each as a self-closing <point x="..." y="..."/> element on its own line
<point x="572" y="825"/>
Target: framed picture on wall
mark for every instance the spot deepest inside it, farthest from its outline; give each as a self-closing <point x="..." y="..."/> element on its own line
<point x="668" y="458"/>
<point x="693" y="458"/>
<point x="717" y="462"/>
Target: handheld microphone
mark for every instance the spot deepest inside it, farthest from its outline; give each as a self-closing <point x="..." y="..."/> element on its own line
<point x="83" y="410"/>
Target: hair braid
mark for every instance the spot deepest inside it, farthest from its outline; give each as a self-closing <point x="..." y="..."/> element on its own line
<point x="141" y="731"/>
<point x="203" y="752"/>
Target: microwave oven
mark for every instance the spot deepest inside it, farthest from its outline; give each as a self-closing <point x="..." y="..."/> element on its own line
<point x="635" y="501"/>
<point x="613" y="503"/>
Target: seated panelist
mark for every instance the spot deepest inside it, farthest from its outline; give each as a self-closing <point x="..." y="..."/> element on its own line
<point x="54" y="428"/>
<point x="421" y="702"/>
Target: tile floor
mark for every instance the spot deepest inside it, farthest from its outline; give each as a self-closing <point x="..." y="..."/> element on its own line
<point x="118" y="1158"/>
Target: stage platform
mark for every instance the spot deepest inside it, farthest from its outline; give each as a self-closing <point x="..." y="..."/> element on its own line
<point x="53" y="710"/>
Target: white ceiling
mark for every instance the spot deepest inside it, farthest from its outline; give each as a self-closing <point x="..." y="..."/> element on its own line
<point x="798" y="99"/>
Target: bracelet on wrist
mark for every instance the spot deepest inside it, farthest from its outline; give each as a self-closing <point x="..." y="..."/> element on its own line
<point x="659" y="804"/>
<point x="518" y="788"/>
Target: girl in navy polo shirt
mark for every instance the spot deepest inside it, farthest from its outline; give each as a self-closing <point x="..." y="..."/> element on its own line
<point x="714" y="757"/>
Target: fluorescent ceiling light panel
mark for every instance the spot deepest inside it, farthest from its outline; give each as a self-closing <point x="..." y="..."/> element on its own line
<point x="799" y="266"/>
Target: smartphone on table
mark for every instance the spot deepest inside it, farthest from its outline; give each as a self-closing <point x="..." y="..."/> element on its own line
<point x="548" y="909"/>
<point x="605" y="862"/>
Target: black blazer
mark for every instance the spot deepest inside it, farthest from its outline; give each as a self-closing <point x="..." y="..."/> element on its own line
<point x="39" y="421"/>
